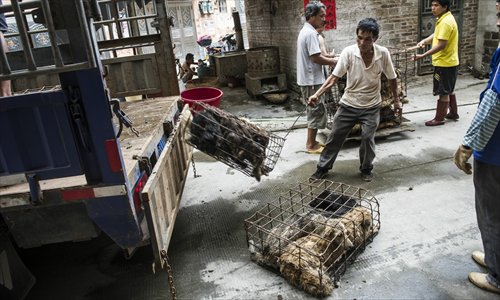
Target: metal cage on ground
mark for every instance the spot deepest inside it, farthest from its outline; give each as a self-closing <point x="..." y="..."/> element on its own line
<point x="233" y="141"/>
<point x="312" y="232"/>
<point x="401" y="59"/>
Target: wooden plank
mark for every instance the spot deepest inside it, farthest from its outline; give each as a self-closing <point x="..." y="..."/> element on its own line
<point x="128" y="41"/>
<point x="163" y="191"/>
<point x="148" y="117"/>
<point x="132" y="75"/>
<point x="386" y="131"/>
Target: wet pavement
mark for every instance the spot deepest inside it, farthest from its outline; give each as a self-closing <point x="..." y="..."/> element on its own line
<point x="427" y="211"/>
<point x="428" y="225"/>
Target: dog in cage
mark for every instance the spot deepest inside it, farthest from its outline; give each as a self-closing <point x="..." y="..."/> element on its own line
<point x="229" y="139"/>
<point x="357" y="219"/>
<point x="245" y="144"/>
<point x="306" y="262"/>
<point x="308" y="247"/>
<point x="205" y="132"/>
<point x="358" y="223"/>
<point x="303" y="247"/>
<point x="285" y="230"/>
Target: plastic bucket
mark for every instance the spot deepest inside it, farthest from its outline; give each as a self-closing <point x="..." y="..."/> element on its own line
<point x="207" y="95"/>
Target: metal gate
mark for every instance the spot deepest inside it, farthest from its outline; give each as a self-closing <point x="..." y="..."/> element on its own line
<point x="427" y="22"/>
<point x="128" y="37"/>
<point x="184" y="30"/>
<point x="133" y="38"/>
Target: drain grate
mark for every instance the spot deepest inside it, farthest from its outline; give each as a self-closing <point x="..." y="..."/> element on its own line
<point x="233" y="141"/>
<point x="312" y="232"/>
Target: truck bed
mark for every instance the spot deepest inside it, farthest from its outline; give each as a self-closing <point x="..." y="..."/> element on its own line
<point x="147" y="116"/>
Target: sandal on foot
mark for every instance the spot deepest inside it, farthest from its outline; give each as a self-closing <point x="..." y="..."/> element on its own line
<point x="315" y="151"/>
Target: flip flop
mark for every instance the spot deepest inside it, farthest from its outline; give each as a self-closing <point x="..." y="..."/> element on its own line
<point x="315" y="151"/>
<point x="320" y="144"/>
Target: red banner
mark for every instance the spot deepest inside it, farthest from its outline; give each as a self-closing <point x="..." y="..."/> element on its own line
<point x="331" y="16"/>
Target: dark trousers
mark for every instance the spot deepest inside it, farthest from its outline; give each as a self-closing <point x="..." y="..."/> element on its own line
<point x="487" y="194"/>
<point x="344" y="120"/>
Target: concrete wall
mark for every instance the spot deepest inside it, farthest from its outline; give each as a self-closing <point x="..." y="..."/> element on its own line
<point x="487" y="36"/>
<point x="398" y="19"/>
<point x="469" y="30"/>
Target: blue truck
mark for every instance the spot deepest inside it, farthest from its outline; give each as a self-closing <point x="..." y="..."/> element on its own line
<point x="72" y="164"/>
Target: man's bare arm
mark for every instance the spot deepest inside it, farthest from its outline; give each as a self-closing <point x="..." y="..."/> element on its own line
<point x="330" y="81"/>
<point x="323" y="60"/>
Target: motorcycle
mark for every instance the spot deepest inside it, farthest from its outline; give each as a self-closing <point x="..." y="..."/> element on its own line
<point x="226" y="43"/>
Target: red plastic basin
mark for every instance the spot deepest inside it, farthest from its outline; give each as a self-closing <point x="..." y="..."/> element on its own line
<point x="207" y="95"/>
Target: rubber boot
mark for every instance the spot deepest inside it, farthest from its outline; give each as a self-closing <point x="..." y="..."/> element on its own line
<point x="441" y="109"/>
<point x="453" y="114"/>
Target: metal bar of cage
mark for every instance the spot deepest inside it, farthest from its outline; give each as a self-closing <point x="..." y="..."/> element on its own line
<point x="23" y="34"/>
<point x="122" y="20"/>
<point x="56" y="64"/>
<point x="56" y="52"/>
<point x="127" y="30"/>
<point x="86" y="34"/>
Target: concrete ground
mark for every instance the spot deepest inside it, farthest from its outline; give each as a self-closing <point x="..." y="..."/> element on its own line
<point x="428" y="219"/>
<point x="428" y="224"/>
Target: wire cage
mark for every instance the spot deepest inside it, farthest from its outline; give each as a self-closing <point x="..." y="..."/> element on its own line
<point x="312" y="232"/>
<point x="233" y="141"/>
<point x="404" y="68"/>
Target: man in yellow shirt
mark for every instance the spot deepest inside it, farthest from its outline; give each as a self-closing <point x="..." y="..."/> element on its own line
<point x="444" y="53"/>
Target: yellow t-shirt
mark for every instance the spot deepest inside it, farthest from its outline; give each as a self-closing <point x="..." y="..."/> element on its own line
<point x="446" y="29"/>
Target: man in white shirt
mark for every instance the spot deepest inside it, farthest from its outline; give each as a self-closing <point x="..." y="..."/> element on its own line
<point x="310" y="76"/>
<point x="364" y="63"/>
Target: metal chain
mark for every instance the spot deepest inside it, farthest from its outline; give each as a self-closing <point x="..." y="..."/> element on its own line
<point x="168" y="268"/>
<point x="194" y="168"/>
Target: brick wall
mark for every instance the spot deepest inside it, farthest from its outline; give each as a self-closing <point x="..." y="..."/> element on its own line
<point x="279" y="29"/>
<point x="398" y="20"/>
<point x="491" y="39"/>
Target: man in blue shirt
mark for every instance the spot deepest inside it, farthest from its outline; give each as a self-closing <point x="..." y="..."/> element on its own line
<point x="483" y="141"/>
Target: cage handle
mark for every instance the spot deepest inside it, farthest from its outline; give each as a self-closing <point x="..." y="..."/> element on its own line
<point x="298" y="117"/>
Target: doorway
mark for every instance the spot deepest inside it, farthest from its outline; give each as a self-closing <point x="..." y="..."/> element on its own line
<point x="184" y="31"/>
